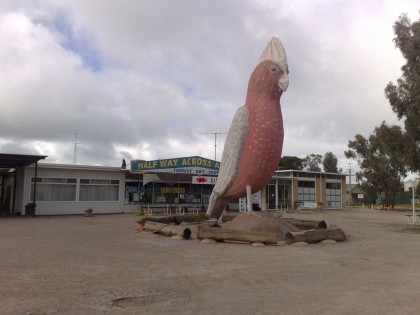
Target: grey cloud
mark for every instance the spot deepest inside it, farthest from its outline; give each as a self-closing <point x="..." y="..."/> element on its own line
<point x="145" y="79"/>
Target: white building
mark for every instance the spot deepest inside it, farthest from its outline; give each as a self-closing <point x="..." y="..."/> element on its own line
<point x="71" y="189"/>
<point x="63" y="189"/>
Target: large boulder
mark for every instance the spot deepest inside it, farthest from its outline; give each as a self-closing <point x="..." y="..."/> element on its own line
<point x="257" y="221"/>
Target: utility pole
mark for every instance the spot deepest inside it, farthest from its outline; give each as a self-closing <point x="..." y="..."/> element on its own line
<point x="215" y="140"/>
<point x="349" y="169"/>
<point x="75" y="148"/>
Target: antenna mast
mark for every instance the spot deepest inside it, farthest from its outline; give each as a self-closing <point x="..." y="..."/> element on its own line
<point x="349" y="169"/>
<point x="215" y="140"/>
<point x="75" y="148"/>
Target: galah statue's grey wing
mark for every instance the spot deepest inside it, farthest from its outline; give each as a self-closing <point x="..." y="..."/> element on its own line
<point x="232" y="152"/>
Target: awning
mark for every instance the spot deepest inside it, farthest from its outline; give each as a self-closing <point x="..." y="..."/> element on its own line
<point x="9" y="162"/>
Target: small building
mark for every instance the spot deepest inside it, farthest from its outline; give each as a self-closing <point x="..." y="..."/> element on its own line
<point x="12" y="170"/>
<point x="69" y="189"/>
<point x="355" y="195"/>
<point x="298" y="188"/>
<point x="183" y="182"/>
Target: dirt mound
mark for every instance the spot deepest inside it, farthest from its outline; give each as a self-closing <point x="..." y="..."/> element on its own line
<point x="257" y="221"/>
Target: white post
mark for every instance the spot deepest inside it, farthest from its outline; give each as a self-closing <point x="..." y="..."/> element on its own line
<point x="293" y="198"/>
<point x="248" y="198"/>
<point x="414" y="209"/>
<point x="263" y="200"/>
<point x="276" y="194"/>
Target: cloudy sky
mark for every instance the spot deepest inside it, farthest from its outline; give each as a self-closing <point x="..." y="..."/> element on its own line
<point x="156" y="79"/>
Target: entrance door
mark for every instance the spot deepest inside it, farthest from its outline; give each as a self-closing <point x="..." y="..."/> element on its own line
<point x="271" y="196"/>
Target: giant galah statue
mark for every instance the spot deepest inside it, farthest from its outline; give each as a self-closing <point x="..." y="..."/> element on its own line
<point x="255" y="139"/>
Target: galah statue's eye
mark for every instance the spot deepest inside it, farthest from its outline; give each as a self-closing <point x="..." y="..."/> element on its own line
<point x="273" y="68"/>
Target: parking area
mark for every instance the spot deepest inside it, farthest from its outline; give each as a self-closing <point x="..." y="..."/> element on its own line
<point x="102" y="265"/>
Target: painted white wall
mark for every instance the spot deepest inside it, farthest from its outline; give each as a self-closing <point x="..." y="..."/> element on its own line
<point x="19" y="197"/>
<point x="74" y="171"/>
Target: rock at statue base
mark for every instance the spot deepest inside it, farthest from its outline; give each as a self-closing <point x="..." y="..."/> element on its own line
<point x="257" y="221"/>
<point x="208" y="241"/>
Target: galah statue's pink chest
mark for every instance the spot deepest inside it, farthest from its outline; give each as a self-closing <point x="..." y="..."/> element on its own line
<point x="262" y="148"/>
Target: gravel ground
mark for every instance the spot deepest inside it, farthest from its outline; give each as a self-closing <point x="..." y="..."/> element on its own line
<point x="102" y="265"/>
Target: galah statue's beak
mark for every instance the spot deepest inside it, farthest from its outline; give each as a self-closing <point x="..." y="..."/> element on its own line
<point x="274" y="51"/>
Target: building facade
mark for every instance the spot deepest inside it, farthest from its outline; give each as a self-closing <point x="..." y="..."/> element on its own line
<point x="296" y="188"/>
<point x="170" y="184"/>
<point x="71" y="189"/>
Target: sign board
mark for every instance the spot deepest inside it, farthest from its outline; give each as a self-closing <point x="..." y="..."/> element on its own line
<point x="359" y="196"/>
<point x="207" y="180"/>
<point x="255" y="199"/>
<point x="184" y="165"/>
<point x="172" y="190"/>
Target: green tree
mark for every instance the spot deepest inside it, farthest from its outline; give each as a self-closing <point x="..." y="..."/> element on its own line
<point x="379" y="159"/>
<point x="311" y="162"/>
<point x="290" y="163"/>
<point x="329" y="162"/>
<point x="404" y="96"/>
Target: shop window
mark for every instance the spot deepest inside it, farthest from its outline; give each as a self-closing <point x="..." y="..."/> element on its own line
<point x="283" y="193"/>
<point x="99" y="190"/>
<point x="333" y="195"/>
<point x="133" y="192"/>
<point x="306" y="191"/>
<point x="54" y="189"/>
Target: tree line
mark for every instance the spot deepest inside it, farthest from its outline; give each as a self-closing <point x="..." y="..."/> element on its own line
<point x="312" y="162"/>
<point x="387" y="155"/>
<point x="390" y="152"/>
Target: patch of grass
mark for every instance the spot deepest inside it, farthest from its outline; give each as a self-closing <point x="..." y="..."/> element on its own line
<point x="413" y="230"/>
<point x="408" y="205"/>
<point x="397" y="207"/>
<point x="141" y="213"/>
